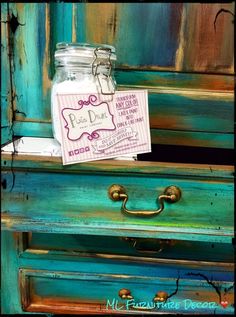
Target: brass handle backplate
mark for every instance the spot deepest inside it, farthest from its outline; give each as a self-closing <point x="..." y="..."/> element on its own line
<point x="171" y="194"/>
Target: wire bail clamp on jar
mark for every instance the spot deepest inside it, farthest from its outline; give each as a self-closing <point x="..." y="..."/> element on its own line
<point x="103" y="76"/>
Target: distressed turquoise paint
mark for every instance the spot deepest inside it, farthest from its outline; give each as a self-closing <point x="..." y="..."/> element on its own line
<point x="145" y="36"/>
<point x="43" y="211"/>
<point x="27" y="78"/>
<point x="26" y="224"/>
<point x="10" y="295"/>
<point x="158" y="136"/>
<point x="33" y="129"/>
<point x="71" y="287"/>
<point x="137" y="269"/>
<point x="6" y="132"/>
<point x="190" y="113"/>
<point x="98" y="279"/>
<point x="80" y="11"/>
<point x="62" y="245"/>
<point x="157" y="79"/>
<point x="191" y="138"/>
<point x="30" y="49"/>
<point x="41" y="36"/>
<point x="121" y="167"/>
<point x="60" y="27"/>
<point x="33" y="202"/>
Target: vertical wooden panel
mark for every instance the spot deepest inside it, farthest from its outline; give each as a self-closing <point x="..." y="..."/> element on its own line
<point x="34" y="47"/>
<point x="147" y="35"/>
<point x="143" y="34"/>
<point x="10" y="297"/>
<point x="46" y="80"/>
<point x="207" y="50"/>
<point x="29" y="56"/>
<point x="6" y="115"/>
<point x="61" y="17"/>
<point x="101" y="22"/>
<point x="80" y="22"/>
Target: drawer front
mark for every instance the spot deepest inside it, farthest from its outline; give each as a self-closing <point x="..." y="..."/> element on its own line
<point x="79" y="203"/>
<point x="51" y="202"/>
<point x="54" y="246"/>
<point x="74" y="293"/>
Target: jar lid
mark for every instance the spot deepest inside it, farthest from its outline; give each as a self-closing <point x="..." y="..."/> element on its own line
<point x="85" y="51"/>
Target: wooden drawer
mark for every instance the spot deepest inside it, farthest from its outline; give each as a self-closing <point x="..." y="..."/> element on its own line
<point x="61" y="246"/>
<point x="98" y="293"/>
<point x="204" y="212"/>
<point x="84" y="283"/>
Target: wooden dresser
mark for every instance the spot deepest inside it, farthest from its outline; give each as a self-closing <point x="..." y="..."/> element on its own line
<point x="69" y="245"/>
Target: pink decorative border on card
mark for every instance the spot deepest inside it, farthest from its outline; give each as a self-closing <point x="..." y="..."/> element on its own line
<point x="82" y="103"/>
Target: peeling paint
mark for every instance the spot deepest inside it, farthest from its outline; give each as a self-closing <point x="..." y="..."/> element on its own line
<point x="14" y="23"/>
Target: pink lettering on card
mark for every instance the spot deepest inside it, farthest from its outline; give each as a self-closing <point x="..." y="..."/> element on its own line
<point x="96" y="127"/>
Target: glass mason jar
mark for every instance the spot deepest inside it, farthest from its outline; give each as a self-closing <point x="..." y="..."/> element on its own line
<point x="81" y="68"/>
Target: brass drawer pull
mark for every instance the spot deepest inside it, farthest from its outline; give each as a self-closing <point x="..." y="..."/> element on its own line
<point x="171" y="194"/>
<point x="160" y="297"/>
<point x="125" y="293"/>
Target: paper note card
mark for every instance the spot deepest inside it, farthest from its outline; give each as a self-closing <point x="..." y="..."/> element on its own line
<point x="96" y="127"/>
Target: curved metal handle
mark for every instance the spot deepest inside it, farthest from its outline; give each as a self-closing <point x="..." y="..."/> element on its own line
<point x="171" y="194"/>
<point x="125" y="293"/>
<point x="147" y="245"/>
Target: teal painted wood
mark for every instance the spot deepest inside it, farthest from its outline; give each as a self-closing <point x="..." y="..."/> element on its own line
<point x="58" y="287"/>
<point x="158" y="136"/>
<point x="34" y="129"/>
<point x="112" y="24"/>
<point x="60" y="28"/>
<point x="171" y="107"/>
<point x="106" y="273"/>
<point x="191" y="138"/>
<point x="41" y="26"/>
<point x="10" y="295"/>
<point x="136" y="273"/>
<point x="121" y="167"/>
<point x="176" y="118"/>
<point x="190" y="113"/>
<point x="184" y="33"/>
<point x="34" y="46"/>
<point x="162" y="20"/>
<point x="62" y="245"/>
<point x="80" y="23"/>
<point x="175" y="80"/>
<point x="6" y="94"/>
<point x="137" y="269"/>
<point x="39" y="259"/>
<point x="34" y="204"/>
<point x="30" y="61"/>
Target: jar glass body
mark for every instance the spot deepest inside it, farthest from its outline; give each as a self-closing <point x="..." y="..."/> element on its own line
<point x="80" y="74"/>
